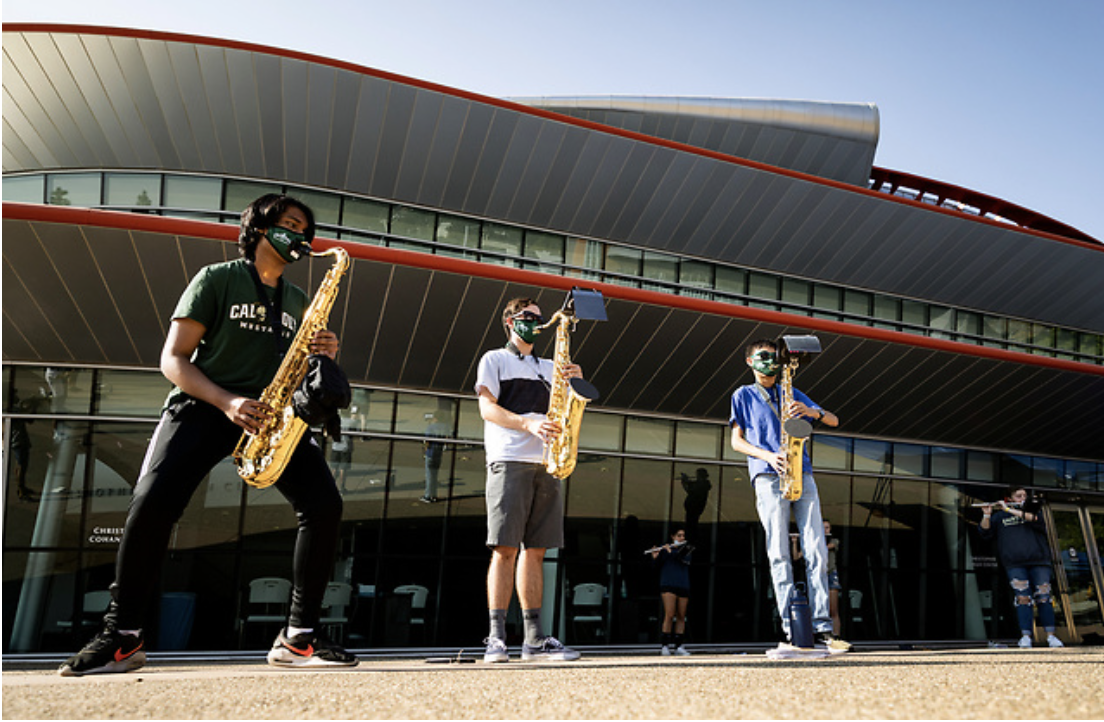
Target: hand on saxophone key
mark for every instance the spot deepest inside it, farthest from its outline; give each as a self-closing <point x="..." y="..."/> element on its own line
<point x="249" y="414"/>
<point x="571" y="371"/>
<point x="544" y="429"/>
<point x="776" y="459"/>
<point x="324" y="342"/>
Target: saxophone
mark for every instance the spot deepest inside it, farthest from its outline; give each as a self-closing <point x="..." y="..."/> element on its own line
<point x="567" y="397"/>
<point x="795" y="430"/>
<point x="262" y="457"/>
<point x="794" y="433"/>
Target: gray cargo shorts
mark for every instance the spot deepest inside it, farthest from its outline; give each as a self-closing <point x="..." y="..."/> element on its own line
<point x="524" y="506"/>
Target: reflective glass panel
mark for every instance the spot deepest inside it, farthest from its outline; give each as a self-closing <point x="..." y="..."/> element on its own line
<point x="828" y="298"/>
<point x="365" y="215"/>
<point x="871" y="456"/>
<point x="326" y="207"/>
<point x="370" y="410"/>
<point x="981" y="466"/>
<point x="701" y="441"/>
<point x="73" y="189"/>
<point x="239" y="194"/>
<point x="660" y="267"/>
<point x="648" y="436"/>
<point x="831" y="452"/>
<point x="623" y="260"/>
<point x="132" y="189"/>
<point x="427" y="416"/>
<point x="546" y="247"/>
<point x="131" y="393"/>
<point x="947" y="463"/>
<point x="412" y="223"/>
<point x="730" y="280"/>
<point x="795" y="292"/>
<point x="504" y="241"/>
<point x="457" y="231"/>
<point x="910" y="459"/>
<point x="601" y="431"/>
<point x="762" y="285"/>
<point x="192" y="193"/>
<point x="25" y="189"/>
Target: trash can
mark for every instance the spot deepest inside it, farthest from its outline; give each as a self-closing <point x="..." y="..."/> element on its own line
<point x="177" y="615"/>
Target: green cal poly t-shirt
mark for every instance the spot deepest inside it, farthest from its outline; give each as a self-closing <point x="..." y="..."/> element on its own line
<point x="237" y="350"/>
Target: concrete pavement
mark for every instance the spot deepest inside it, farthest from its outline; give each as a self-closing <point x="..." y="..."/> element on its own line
<point x="916" y="684"/>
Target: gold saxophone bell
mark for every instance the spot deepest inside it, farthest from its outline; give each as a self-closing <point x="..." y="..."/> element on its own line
<point x="261" y="457"/>
<point x="568" y="397"/>
<point x="795" y="430"/>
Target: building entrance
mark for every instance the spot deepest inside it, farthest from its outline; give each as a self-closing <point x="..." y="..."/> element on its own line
<point x="1077" y="534"/>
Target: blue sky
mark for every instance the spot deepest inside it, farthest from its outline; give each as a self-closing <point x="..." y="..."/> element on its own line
<point x="1001" y="96"/>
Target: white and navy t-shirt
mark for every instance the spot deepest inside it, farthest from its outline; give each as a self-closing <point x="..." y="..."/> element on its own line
<point x="521" y="385"/>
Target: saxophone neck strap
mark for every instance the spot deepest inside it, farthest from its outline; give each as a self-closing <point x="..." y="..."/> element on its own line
<point x="765" y="394"/>
<point x="536" y="362"/>
<point x="273" y="306"/>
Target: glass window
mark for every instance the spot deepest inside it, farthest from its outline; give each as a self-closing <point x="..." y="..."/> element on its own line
<point x="730" y="280"/>
<point x="603" y="431"/>
<point x="660" y="267"/>
<point x="412" y="223"/>
<point x="914" y="313"/>
<point x="625" y="261"/>
<point x="762" y="285"/>
<point x="581" y="253"/>
<point x="25" y="188"/>
<point x="981" y="466"/>
<point x="1066" y="341"/>
<point x="325" y="206"/>
<point x="994" y="327"/>
<point x="427" y="416"/>
<point x="1042" y="335"/>
<point x="1015" y="470"/>
<point x="1090" y="343"/>
<point x="795" y="292"/>
<point x="968" y="323"/>
<point x="910" y="459"/>
<point x="366" y="215"/>
<point x="503" y="240"/>
<point x="887" y="309"/>
<point x="1048" y="472"/>
<point x="548" y="248"/>
<point x="646" y="495"/>
<point x="648" y="436"/>
<point x="130" y="393"/>
<point x="360" y="466"/>
<point x="457" y="231"/>
<point x="946" y="463"/>
<point x="592" y="499"/>
<point x="471" y="421"/>
<point x="696" y="274"/>
<point x="941" y="322"/>
<point x="831" y="452"/>
<point x="871" y="456"/>
<point x="370" y="410"/>
<point x="701" y="441"/>
<point x="1019" y="332"/>
<point x="132" y="189"/>
<point x="828" y="298"/>
<point x="1082" y="475"/>
<point x="857" y="303"/>
<point x="694" y="501"/>
<point x="239" y="194"/>
<point x="73" y="189"/>
<point x="192" y="193"/>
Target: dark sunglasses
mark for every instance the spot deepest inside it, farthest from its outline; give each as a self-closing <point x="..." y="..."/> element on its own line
<point x="528" y="316"/>
<point x="764" y="355"/>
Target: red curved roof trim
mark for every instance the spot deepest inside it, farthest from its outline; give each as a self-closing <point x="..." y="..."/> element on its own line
<point x="446" y="264"/>
<point x="498" y="102"/>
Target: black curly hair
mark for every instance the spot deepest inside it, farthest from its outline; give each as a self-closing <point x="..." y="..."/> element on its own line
<point x="262" y="214"/>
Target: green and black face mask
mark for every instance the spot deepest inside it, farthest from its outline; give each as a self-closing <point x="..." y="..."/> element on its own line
<point x="765" y="362"/>
<point x="290" y="245"/>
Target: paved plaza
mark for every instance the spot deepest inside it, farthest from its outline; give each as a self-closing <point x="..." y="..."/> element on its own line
<point x="914" y="684"/>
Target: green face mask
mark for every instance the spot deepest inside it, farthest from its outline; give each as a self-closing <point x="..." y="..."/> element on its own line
<point x="290" y="245"/>
<point x="526" y="324"/>
<point x="526" y="330"/>
<point x="765" y="362"/>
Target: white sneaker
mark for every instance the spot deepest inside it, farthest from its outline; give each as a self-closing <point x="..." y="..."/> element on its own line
<point x="1054" y="641"/>
<point x="665" y="651"/>
<point x="1025" y="642"/>
<point x="496" y="650"/>
<point x="682" y="651"/>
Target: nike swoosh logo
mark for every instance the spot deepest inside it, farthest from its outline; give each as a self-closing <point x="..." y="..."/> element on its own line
<point x="301" y="652"/>
<point x="119" y="656"/>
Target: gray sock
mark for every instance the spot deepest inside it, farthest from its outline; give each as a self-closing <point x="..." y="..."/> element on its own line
<point x="533" y="634"/>
<point x="498" y="624"/>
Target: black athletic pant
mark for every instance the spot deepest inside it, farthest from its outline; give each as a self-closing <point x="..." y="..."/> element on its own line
<point x="191" y="438"/>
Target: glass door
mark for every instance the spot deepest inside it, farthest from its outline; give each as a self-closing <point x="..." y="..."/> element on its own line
<point x="1077" y="534"/>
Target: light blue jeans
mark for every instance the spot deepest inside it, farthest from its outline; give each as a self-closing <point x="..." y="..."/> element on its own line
<point x="774" y="513"/>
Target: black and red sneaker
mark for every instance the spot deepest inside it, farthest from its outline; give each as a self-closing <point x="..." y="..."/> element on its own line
<point x="308" y="650"/>
<point x="108" y="652"/>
